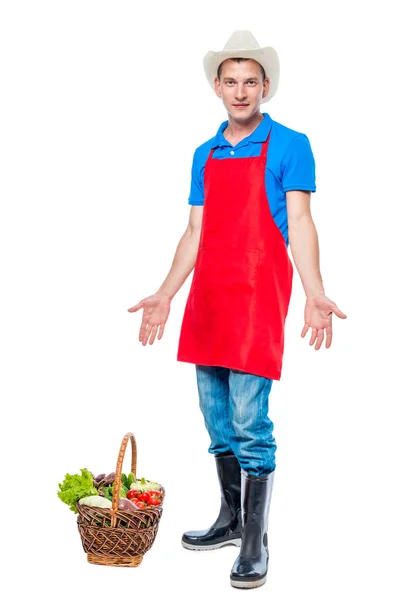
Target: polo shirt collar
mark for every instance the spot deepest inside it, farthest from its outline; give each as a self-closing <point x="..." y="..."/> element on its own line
<point x="260" y="133"/>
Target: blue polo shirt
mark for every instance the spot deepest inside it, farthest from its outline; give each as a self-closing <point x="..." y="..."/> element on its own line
<point x="290" y="164"/>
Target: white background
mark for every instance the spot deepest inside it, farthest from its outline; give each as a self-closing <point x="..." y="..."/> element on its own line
<point x="102" y="107"/>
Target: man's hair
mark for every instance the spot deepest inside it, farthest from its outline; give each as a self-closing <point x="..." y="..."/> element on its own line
<point x="239" y="59"/>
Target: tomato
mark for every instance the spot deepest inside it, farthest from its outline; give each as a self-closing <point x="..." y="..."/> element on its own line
<point x="140" y="504"/>
<point x="144" y="496"/>
<point x="155" y="492"/>
<point x="154" y="501"/>
<point x="132" y="494"/>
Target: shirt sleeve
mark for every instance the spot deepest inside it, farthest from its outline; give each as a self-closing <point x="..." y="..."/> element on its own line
<point x="196" y="196"/>
<point x="298" y="165"/>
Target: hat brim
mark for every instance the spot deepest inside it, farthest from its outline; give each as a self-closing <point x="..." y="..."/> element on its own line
<point x="267" y="57"/>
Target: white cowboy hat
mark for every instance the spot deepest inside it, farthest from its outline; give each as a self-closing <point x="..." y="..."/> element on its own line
<point x="244" y="44"/>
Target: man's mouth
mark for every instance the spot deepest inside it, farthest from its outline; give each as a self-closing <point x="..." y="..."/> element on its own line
<point x="240" y="105"/>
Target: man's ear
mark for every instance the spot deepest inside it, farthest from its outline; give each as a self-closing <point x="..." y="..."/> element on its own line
<point x="265" y="87"/>
<point x="217" y="87"/>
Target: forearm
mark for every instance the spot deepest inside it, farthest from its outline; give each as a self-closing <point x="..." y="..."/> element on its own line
<point x="303" y="240"/>
<point x="183" y="263"/>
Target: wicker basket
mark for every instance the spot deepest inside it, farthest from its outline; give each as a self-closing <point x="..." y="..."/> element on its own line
<point x="118" y="537"/>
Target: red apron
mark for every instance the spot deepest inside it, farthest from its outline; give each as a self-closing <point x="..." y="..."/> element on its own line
<point x="242" y="281"/>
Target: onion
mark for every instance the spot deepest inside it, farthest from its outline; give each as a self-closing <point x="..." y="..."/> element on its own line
<point x="125" y="504"/>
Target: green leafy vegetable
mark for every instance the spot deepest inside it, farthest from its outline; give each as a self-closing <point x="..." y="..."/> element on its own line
<point x="75" y="487"/>
<point x="108" y="491"/>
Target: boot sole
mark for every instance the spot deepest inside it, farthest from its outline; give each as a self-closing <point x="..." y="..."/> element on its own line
<point x="248" y="584"/>
<point x="233" y="542"/>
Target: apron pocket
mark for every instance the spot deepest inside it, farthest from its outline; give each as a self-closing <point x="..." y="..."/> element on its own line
<point x="231" y="269"/>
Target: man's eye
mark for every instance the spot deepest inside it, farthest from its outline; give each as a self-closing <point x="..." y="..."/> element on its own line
<point x="252" y="81"/>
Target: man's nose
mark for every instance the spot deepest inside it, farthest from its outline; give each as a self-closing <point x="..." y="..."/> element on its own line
<point x="241" y="91"/>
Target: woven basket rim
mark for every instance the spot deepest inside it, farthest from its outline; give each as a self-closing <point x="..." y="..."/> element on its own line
<point x="106" y="511"/>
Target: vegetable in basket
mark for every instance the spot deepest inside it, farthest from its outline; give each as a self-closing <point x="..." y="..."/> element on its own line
<point x="150" y="498"/>
<point x="97" y="501"/>
<point x="75" y="487"/>
<point x="125" y="504"/>
<point x="103" y="480"/>
<point x="143" y="485"/>
<point x="127" y="480"/>
<point x="137" y="494"/>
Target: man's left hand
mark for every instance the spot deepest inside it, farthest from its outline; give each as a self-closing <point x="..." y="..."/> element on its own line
<point x="318" y="316"/>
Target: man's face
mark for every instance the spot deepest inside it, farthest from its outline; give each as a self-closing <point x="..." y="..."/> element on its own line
<point x="241" y="88"/>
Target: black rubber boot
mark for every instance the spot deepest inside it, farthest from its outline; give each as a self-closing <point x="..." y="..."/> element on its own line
<point x="227" y="528"/>
<point x="251" y="566"/>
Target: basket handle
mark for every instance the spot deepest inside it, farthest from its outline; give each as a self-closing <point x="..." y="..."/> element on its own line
<point x="118" y="472"/>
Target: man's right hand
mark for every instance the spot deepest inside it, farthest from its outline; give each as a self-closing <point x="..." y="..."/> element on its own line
<point x="155" y="314"/>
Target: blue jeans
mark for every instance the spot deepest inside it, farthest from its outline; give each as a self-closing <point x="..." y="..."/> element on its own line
<point x="235" y="409"/>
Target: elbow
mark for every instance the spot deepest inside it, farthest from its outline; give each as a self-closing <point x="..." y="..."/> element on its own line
<point x="299" y="221"/>
<point x="295" y="224"/>
<point x="300" y="229"/>
<point x="193" y="231"/>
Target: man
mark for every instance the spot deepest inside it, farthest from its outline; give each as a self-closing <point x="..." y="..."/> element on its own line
<point x="250" y="195"/>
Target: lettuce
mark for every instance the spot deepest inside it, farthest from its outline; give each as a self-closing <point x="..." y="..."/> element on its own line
<point x="75" y="487"/>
